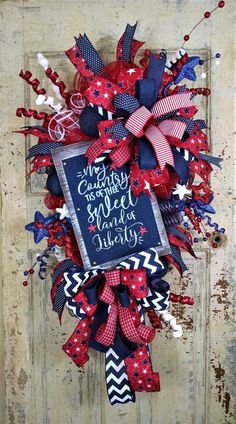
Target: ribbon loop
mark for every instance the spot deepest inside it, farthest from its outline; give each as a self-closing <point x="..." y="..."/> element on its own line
<point x="171" y="103"/>
<point x="113" y="278"/>
<point x="126" y="103"/>
<point x="136" y="334"/>
<point x="136" y="282"/>
<point x="138" y="121"/>
<point x="106" y="333"/>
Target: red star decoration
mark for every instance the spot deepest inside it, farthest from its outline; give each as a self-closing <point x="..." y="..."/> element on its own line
<point x="143" y="230"/>
<point x="92" y="228"/>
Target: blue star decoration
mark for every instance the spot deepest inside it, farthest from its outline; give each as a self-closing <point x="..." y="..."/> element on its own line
<point x="187" y="70"/>
<point x="39" y="226"/>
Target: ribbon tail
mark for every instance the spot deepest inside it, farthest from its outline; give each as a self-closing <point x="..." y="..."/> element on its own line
<point x="181" y="166"/>
<point x="139" y="334"/>
<point x="95" y="150"/>
<point x="77" y="345"/>
<point x="118" y="387"/>
<point x="212" y="159"/>
<point x="127" y="40"/>
<point x="160" y="145"/>
<point x="120" y="155"/>
<point x="156" y="70"/>
<point x="171" y="103"/>
<point x="90" y="54"/>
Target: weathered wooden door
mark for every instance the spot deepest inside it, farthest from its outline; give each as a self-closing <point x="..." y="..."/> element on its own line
<point x="39" y="385"/>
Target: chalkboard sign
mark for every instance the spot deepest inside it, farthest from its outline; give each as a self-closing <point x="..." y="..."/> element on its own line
<point x="109" y="222"/>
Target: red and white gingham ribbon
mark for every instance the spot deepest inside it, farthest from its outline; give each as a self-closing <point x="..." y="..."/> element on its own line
<point x="107" y="332"/>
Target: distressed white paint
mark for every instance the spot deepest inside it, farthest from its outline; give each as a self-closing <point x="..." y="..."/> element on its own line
<point x="40" y="383"/>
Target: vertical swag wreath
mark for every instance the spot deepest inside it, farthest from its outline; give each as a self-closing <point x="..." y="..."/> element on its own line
<point x="140" y="118"/>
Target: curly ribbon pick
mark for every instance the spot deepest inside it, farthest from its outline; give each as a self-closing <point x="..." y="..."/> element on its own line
<point x="43" y="61"/>
<point x="48" y="101"/>
<point x="59" y="253"/>
<point x="184" y="300"/>
<point x="54" y="78"/>
<point x="174" y="58"/>
<point x="171" y="320"/>
<point x="34" y="83"/>
<point x="21" y="111"/>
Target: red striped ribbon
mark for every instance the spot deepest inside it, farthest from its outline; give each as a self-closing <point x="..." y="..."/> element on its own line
<point x="171" y="103"/>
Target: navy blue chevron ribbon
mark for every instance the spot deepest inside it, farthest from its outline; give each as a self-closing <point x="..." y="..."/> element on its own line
<point x="118" y="387"/>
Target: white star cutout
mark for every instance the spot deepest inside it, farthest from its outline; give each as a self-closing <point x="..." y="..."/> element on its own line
<point x="131" y="71"/>
<point x="63" y="212"/>
<point x="106" y="95"/>
<point x="147" y="186"/>
<point x="99" y="83"/>
<point x="182" y="191"/>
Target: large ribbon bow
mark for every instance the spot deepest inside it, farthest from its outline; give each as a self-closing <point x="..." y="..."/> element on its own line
<point x="110" y="315"/>
<point x="115" y="294"/>
<point x="143" y="122"/>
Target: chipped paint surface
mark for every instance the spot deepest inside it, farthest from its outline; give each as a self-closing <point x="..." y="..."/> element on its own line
<point x="39" y="385"/>
<point x="22" y="379"/>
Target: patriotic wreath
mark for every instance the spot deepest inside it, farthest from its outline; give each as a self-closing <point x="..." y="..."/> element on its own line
<point x="140" y="115"/>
